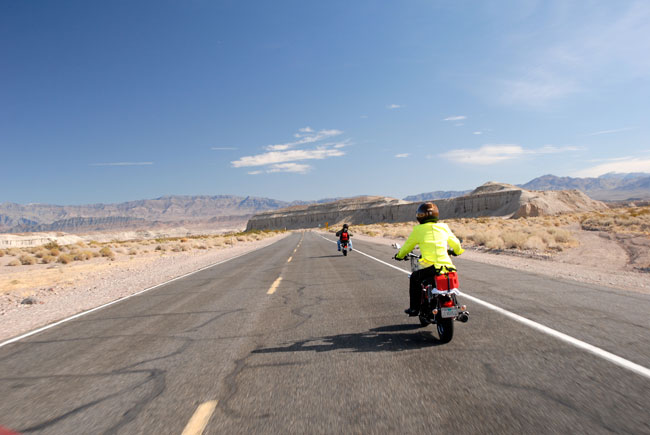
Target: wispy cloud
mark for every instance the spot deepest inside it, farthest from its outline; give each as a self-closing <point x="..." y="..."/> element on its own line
<point x="617" y="130"/>
<point x="455" y="118"/>
<point x="490" y="154"/>
<point x="394" y="106"/>
<point x="477" y="133"/>
<point x="223" y="148"/>
<point x="298" y="168"/>
<point x="585" y="48"/>
<point x="305" y="136"/>
<point x="123" y="164"/>
<point x="486" y="155"/>
<point x="402" y="156"/>
<point x="620" y="165"/>
<point x="364" y="117"/>
<point x="284" y="157"/>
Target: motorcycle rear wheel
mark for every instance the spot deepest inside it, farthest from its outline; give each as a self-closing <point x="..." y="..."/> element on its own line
<point x="345" y="252"/>
<point x="445" y="329"/>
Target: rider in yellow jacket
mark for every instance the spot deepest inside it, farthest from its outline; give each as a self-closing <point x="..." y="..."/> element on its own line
<point x="435" y="240"/>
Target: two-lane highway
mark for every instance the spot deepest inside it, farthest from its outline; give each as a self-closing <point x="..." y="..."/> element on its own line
<point x="296" y="338"/>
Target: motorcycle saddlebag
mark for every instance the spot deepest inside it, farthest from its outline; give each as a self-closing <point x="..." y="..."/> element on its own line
<point x="447" y="281"/>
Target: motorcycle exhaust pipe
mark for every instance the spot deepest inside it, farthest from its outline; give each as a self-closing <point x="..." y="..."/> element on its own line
<point x="463" y="317"/>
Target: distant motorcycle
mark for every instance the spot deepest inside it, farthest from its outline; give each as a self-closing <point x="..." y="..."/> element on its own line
<point x="438" y="304"/>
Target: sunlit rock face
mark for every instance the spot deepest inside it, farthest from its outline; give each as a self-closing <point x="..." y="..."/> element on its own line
<point x="490" y="199"/>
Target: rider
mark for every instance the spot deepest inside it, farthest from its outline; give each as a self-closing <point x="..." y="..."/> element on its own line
<point x="435" y="239"/>
<point x="344" y="238"/>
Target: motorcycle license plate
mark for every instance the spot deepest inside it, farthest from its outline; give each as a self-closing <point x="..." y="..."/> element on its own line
<point x="448" y="312"/>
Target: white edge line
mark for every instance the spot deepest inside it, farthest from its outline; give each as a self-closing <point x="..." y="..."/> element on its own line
<point x="622" y="362"/>
<point x="83" y="313"/>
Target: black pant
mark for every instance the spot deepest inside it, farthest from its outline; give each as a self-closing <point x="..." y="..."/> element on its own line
<point x="415" y="286"/>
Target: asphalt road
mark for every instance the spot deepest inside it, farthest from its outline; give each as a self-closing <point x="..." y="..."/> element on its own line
<point x="327" y="349"/>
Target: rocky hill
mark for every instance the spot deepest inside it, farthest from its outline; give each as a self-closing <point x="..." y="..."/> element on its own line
<point x="490" y="199"/>
<point x="607" y="187"/>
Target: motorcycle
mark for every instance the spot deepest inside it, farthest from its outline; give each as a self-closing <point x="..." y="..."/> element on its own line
<point x="344" y="247"/>
<point x="438" y="303"/>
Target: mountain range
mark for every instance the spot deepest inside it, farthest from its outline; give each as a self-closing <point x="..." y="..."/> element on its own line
<point x="229" y="211"/>
<point x="607" y="187"/>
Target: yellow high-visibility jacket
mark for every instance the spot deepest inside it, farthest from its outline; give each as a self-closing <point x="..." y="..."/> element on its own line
<point x="434" y="239"/>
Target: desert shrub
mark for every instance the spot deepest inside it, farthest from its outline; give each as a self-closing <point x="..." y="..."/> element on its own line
<point x="46" y="259"/>
<point x="80" y="256"/>
<point x="14" y="263"/>
<point x="535" y="242"/>
<point x="514" y="239"/>
<point x="185" y="248"/>
<point x="241" y="239"/>
<point x="2" y="253"/>
<point x="176" y="248"/>
<point x="12" y="252"/>
<point x="562" y="236"/>
<point x="106" y="252"/>
<point x="183" y="240"/>
<point x="495" y="242"/>
<point x="40" y="253"/>
<point x="65" y="258"/>
<point x="160" y="248"/>
<point x="133" y="251"/>
<point x="55" y="252"/>
<point x="27" y="260"/>
<point x="52" y="245"/>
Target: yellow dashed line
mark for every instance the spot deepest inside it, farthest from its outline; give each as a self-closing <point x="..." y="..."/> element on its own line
<point x="200" y="419"/>
<point x="274" y="286"/>
<point x="290" y="258"/>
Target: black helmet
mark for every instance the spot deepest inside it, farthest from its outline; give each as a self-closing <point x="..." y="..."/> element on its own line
<point x="427" y="212"/>
<point x="345" y="226"/>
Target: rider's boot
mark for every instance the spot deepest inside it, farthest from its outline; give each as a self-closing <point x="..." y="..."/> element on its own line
<point x="412" y="312"/>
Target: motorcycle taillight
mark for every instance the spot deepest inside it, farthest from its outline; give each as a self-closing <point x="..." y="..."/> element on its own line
<point x="447" y="303"/>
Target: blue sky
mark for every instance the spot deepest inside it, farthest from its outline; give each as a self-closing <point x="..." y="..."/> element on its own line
<point x="122" y="100"/>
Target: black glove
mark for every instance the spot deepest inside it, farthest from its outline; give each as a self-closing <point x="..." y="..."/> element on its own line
<point x="452" y="253"/>
<point x="398" y="259"/>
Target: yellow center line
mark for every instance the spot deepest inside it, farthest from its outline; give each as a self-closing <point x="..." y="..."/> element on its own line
<point x="274" y="286"/>
<point x="200" y="419"/>
<point x="290" y="258"/>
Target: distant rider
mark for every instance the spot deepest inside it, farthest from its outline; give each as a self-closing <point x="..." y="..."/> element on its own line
<point x="435" y="239"/>
<point x="344" y="236"/>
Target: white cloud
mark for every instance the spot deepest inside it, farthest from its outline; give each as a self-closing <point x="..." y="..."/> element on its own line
<point x="490" y="154"/>
<point x="284" y="157"/>
<point x="305" y="137"/>
<point x="402" y="156"/>
<point x="394" y="106"/>
<point x="617" y="130"/>
<point x="273" y="157"/>
<point x="123" y="164"/>
<point x="477" y="132"/>
<point x="486" y="155"/>
<point x="298" y="168"/>
<point x="455" y="118"/>
<point x="621" y="165"/>
<point x="223" y="148"/>
<point x="364" y="116"/>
